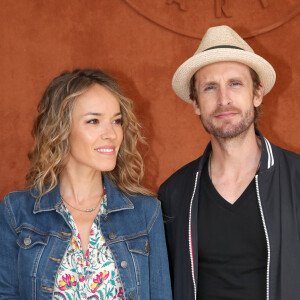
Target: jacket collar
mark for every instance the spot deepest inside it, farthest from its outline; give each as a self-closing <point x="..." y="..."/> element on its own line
<point x="268" y="153"/>
<point x="116" y="200"/>
<point x="50" y="201"/>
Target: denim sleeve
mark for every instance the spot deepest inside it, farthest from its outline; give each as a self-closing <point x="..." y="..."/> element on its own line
<point x="8" y="254"/>
<point x="160" y="285"/>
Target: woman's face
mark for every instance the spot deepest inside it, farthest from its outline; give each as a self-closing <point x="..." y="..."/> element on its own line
<point x="96" y="133"/>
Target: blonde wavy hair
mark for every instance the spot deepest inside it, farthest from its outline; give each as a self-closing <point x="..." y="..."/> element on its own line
<point x="52" y="127"/>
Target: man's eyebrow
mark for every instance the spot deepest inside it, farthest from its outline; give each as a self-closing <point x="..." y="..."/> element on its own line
<point x="237" y="78"/>
<point x="206" y="83"/>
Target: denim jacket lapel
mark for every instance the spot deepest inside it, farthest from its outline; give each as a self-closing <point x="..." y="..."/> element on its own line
<point x="116" y="200"/>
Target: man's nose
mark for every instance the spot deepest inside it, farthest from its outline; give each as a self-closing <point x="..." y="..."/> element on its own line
<point x="223" y="96"/>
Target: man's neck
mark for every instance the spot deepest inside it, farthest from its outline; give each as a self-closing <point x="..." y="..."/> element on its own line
<point x="233" y="164"/>
<point x="241" y="152"/>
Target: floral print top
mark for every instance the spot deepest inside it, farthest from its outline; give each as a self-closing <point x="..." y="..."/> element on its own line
<point x="94" y="276"/>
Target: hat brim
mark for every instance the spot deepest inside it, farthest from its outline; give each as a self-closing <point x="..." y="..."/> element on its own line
<point x="183" y="75"/>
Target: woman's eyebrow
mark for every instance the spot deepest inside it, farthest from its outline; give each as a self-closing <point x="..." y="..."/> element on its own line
<point x="100" y="114"/>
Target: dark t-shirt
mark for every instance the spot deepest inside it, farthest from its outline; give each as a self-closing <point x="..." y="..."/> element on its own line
<point x="232" y="245"/>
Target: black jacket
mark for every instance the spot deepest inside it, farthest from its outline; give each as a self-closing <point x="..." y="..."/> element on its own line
<point x="278" y="195"/>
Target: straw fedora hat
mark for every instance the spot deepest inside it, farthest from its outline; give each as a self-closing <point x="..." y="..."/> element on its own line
<point x="221" y="43"/>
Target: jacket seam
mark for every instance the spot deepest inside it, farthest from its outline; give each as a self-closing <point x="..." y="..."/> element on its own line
<point x="19" y="229"/>
<point x="43" y="287"/>
<point x="36" y="264"/>
<point x="267" y="239"/>
<point x="13" y="224"/>
<point x="117" y="240"/>
<point x="154" y="218"/>
<point x="190" y="236"/>
<point x="116" y="263"/>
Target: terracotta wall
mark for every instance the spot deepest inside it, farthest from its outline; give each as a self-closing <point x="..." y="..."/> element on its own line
<point x="42" y="38"/>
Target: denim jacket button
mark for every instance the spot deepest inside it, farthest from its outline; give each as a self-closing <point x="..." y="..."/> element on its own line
<point x="27" y="241"/>
<point x="112" y="236"/>
<point x="106" y="218"/>
<point x="124" y="264"/>
<point x="131" y="295"/>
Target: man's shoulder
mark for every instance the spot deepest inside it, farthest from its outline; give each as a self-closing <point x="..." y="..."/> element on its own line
<point x="285" y="160"/>
<point x="275" y="155"/>
<point x="289" y="156"/>
<point x="175" y="193"/>
<point x="188" y="169"/>
<point x="182" y="176"/>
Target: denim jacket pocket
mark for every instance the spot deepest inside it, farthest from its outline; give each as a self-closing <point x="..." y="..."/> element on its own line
<point x="29" y="238"/>
<point x="32" y="244"/>
<point x="139" y="245"/>
<point x="139" y="249"/>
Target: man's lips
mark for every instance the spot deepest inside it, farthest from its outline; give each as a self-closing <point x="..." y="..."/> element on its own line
<point x="226" y="114"/>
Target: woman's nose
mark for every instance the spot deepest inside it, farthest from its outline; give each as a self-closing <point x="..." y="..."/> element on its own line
<point x="109" y="132"/>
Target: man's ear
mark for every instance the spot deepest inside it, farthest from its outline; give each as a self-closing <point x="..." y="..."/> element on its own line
<point x="196" y="108"/>
<point x="258" y="97"/>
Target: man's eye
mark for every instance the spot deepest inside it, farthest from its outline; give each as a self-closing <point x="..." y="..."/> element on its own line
<point x="235" y="83"/>
<point x="118" y="121"/>
<point x="93" y="121"/>
<point x="209" y="87"/>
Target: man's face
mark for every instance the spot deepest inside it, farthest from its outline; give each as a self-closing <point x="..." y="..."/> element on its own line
<point x="225" y="99"/>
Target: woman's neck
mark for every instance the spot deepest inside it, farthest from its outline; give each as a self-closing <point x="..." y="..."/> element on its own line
<point x="80" y="187"/>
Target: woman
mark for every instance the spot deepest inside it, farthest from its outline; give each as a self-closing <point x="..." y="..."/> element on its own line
<point x="85" y="228"/>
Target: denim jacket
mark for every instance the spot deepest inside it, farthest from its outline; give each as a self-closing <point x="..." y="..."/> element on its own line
<point x="34" y="236"/>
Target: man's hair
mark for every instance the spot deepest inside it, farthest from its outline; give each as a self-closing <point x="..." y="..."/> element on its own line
<point x="256" y="84"/>
<point x="52" y="126"/>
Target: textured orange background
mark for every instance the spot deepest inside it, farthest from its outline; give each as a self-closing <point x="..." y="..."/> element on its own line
<point x="40" y="39"/>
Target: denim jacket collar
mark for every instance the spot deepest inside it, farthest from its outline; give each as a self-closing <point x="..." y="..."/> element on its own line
<point x="116" y="200"/>
<point x="50" y="201"/>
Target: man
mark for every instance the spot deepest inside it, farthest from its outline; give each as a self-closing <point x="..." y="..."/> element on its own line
<point x="233" y="215"/>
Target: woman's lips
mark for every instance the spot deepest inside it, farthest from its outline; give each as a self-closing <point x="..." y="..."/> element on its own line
<point x="108" y="150"/>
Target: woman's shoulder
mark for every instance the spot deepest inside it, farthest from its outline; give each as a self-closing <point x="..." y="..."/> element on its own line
<point x="18" y="199"/>
<point x="145" y="207"/>
<point x="142" y="198"/>
<point x="16" y="207"/>
<point x="144" y="203"/>
<point x="18" y="193"/>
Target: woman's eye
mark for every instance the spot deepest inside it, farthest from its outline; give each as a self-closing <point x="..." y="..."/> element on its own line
<point x="93" y="121"/>
<point x="118" y="121"/>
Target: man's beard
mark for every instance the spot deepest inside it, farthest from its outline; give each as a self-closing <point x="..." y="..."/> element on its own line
<point x="228" y="130"/>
